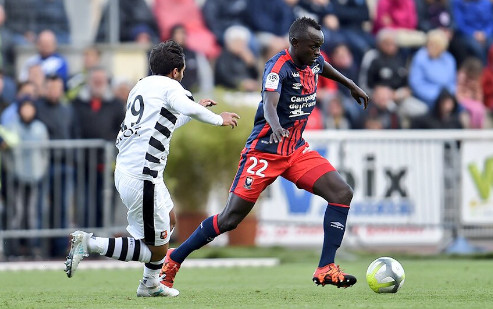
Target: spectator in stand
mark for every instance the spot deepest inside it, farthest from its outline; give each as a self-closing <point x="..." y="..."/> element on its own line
<point x="7" y="91"/>
<point x="172" y="12"/>
<point x="7" y="53"/>
<point x="354" y="17"/>
<point x="51" y="15"/>
<point x="28" y="18"/>
<point x="58" y="117"/>
<point x="433" y="14"/>
<point x="28" y="167"/>
<point x="432" y="69"/>
<point x="91" y="59"/>
<point x="469" y="92"/>
<point x="270" y="21"/>
<point x="21" y="21"/>
<point x="26" y="90"/>
<point x="474" y="25"/>
<point x="323" y="12"/>
<point x="219" y="15"/>
<point x="342" y="60"/>
<point x="136" y="23"/>
<point x="382" y="114"/>
<point x="199" y="75"/>
<point x="399" y="15"/>
<point x="385" y="66"/>
<point x="51" y="62"/>
<point x="444" y="115"/>
<point x="121" y="88"/>
<point x="97" y="105"/>
<point x="335" y="118"/>
<point x="236" y="67"/>
<point x="487" y="84"/>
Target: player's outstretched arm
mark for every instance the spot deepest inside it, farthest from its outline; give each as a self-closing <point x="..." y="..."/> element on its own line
<point x="356" y="92"/>
<point x="271" y="99"/>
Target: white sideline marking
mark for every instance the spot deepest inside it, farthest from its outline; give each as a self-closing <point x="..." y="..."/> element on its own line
<point x="114" y="264"/>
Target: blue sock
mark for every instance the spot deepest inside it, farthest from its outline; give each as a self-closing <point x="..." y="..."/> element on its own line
<point x="204" y="234"/>
<point x="334" y="227"/>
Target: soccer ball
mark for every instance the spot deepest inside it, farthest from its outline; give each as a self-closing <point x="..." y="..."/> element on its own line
<point x="385" y="275"/>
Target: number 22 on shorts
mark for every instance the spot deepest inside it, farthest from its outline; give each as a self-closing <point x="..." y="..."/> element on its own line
<point x="259" y="171"/>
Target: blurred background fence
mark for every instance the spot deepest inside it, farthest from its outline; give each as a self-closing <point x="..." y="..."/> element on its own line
<point x="417" y="191"/>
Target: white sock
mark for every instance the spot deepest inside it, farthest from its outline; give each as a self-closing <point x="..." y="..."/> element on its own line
<point x="122" y="248"/>
<point x="151" y="273"/>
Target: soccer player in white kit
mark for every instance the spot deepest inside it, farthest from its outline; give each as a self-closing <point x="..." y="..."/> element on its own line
<point x="156" y="106"/>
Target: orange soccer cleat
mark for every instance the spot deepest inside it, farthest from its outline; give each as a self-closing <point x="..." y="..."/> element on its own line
<point x="332" y="274"/>
<point x="169" y="270"/>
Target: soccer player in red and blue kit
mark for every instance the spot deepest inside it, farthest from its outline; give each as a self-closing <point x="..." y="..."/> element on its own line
<point x="276" y="148"/>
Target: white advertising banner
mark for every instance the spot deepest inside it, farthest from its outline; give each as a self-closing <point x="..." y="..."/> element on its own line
<point x="396" y="183"/>
<point x="477" y="182"/>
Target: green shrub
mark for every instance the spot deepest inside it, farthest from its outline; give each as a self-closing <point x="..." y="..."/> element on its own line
<point x="203" y="157"/>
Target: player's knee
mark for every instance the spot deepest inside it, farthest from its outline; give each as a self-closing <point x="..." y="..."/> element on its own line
<point x="229" y="224"/>
<point x="345" y="195"/>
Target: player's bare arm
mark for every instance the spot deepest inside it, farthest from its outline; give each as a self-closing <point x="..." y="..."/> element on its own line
<point x="356" y="92"/>
<point x="271" y="99"/>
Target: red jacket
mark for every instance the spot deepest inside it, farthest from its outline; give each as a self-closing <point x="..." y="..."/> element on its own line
<point x="395" y="14"/>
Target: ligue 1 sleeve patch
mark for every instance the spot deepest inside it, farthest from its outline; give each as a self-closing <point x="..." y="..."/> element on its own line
<point x="272" y="81"/>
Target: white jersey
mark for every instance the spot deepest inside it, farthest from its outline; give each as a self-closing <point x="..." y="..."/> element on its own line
<point x="156" y="106"/>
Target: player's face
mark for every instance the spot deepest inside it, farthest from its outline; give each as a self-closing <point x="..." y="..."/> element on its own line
<point x="307" y="48"/>
<point x="178" y="74"/>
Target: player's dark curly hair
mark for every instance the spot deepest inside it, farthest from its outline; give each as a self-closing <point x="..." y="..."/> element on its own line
<point x="300" y="26"/>
<point x="166" y="56"/>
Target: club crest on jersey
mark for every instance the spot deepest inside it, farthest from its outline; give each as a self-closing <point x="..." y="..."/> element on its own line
<point x="248" y="183"/>
<point x="272" y="80"/>
<point x="164" y="234"/>
<point x="297" y="86"/>
<point x="316" y="69"/>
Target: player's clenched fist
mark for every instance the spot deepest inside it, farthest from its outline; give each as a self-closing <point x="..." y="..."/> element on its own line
<point x="230" y="119"/>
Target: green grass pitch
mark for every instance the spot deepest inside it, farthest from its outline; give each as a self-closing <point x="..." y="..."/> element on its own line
<point x="430" y="283"/>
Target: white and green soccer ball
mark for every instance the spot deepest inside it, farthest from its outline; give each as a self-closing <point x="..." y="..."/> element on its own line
<point x="385" y="275"/>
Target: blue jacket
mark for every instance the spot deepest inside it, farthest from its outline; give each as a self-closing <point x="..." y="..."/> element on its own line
<point x="473" y="15"/>
<point x="273" y="16"/>
<point x="428" y="76"/>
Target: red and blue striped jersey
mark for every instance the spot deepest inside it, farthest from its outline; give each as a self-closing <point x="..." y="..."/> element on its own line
<point x="297" y="88"/>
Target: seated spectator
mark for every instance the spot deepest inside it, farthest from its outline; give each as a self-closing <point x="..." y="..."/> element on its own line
<point x="444" y="115"/>
<point x="29" y="18"/>
<point x="399" y="15"/>
<point x="219" y="15"/>
<point x="335" y="118"/>
<point x="28" y="167"/>
<point x="270" y="21"/>
<point x="51" y="15"/>
<point x="236" y="67"/>
<point x="7" y="53"/>
<point x="469" y="92"/>
<point x="354" y="17"/>
<point x="169" y="13"/>
<point x="25" y="90"/>
<point x="474" y="25"/>
<point x="136" y="23"/>
<point x="433" y="14"/>
<point x="432" y="69"/>
<point x="487" y="83"/>
<point x="342" y="60"/>
<point x="91" y="59"/>
<point x="51" y="62"/>
<point x="386" y="67"/>
<point x="199" y="75"/>
<point x="382" y="114"/>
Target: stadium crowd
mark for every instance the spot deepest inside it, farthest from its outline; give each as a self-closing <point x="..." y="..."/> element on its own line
<point x="427" y="64"/>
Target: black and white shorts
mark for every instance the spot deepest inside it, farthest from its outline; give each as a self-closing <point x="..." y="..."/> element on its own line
<point x="148" y="206"/>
